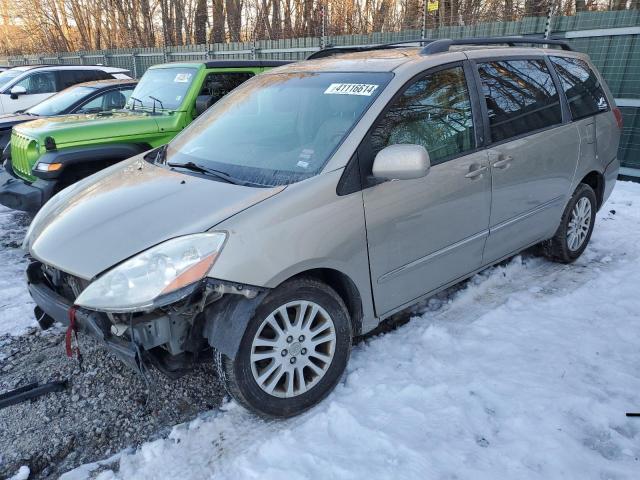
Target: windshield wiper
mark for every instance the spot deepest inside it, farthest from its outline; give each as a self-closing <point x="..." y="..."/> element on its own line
<point x="133" y="104"/>
<point x="154" y="102"/>
<point x="195" y="167"/>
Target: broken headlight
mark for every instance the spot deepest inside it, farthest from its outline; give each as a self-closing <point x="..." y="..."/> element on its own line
<point x="136" y="283"/>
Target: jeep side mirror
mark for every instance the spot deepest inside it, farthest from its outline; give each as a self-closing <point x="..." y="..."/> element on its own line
<point x="17" y="91"/>
<point x="202" y="103"/>
<point x="401" y="162"/>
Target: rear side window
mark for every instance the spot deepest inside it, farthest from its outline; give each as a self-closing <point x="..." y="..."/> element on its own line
<point x="218" y="85"/>
<point x="92" y="75"/>
<point x="521" y="97"/>
<point x="67" y="78"/>
<point x="434" y="112"/>
<point x="72" y="77"/>
<point x="581" y="86"/>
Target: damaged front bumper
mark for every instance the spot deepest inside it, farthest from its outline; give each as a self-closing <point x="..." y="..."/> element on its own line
<point x="57" y="308"/>
<point x="169" y="337"/>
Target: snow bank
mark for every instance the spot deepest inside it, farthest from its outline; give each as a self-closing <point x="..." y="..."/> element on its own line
<point x="16" y="307"/>
<point x="527" y="372"/>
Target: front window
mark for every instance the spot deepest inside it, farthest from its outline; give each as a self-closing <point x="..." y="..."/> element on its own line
<point x="38" y="83"/>
<point x="278" y="128"/>
<point x="60" y="102"/>
<point x="167" y="85"/>
<point x="434" y="112"/>
<point x="108" y="101"/>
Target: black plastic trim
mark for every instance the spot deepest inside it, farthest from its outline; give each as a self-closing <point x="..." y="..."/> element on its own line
<point x="442" y="45"/>
<point x="245" y="63"/>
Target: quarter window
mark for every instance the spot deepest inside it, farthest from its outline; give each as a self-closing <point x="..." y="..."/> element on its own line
<point x="434" y="112"/>
<point x="520" y="96"/>
<point x="581" y="86"/>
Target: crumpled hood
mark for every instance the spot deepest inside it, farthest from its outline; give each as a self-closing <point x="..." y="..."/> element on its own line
<point x="78" y="128"/>
<point x="127" y="208"/>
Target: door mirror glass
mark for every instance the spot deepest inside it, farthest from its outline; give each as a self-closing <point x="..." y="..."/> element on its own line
<point x="401" y="162"/>
<point x="17" y="91"/>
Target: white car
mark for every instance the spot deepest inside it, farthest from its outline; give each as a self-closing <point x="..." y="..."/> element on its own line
<point x="23" y="87"/>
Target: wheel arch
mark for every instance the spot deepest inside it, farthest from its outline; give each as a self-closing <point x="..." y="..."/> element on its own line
<point x="595" y="180"/>
<point x="79" y="162"/>
<point x="345" y="287"/>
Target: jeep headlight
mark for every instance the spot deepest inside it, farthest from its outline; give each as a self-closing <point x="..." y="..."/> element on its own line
<point x="135" y="284"/>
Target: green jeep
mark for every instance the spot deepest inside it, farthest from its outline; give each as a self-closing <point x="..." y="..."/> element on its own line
<point x="44" y="156"/>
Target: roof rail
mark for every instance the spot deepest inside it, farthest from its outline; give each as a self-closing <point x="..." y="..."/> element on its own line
<point x="331" y="50"/>
<point x="442" y="45"/>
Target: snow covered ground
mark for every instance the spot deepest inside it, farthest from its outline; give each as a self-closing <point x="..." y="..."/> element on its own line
<point x="16" y="307"/>
<point x="525" y="373"/>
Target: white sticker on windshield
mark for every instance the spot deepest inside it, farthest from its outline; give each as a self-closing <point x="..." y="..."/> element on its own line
<point x="365" y="89"/>
<point x="182" y="78"/>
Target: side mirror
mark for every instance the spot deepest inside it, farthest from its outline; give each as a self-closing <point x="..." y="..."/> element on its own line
<point x="202" y="103"/>
<point x="17" y="91"/>
<point x="401" y="162"/>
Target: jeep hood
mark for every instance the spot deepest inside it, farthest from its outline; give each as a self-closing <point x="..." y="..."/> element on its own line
<point x="127" y="208"/>
<point x="66" y="129"/>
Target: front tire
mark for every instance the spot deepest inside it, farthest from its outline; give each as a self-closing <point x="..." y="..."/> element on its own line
<point x="293" y="351"/>
<point x="576" y="227"/>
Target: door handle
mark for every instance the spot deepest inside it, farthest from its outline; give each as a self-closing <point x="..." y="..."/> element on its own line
<point x="503" y="163"/>
<point x="477" y="172"/>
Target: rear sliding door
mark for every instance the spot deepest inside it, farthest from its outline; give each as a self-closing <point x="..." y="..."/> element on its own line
<point x="532" y="154"/>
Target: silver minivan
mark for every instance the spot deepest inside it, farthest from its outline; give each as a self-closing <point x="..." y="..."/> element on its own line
<point x="320" y="198"/>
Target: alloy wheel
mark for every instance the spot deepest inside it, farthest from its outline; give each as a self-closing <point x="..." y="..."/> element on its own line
<point x="293" y="349"/>
<point x="579" y="224"/>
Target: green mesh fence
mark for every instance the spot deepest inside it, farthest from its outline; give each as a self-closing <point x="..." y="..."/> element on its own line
<point x="616" y="56"/>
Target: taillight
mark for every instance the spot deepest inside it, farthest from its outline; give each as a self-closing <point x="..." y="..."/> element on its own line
<point x="618" y="115"/>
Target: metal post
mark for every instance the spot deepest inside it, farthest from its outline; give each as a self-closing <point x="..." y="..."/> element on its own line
<point x="423" y="30"/>
<point x="135" y="65"/>
<point x="547" y="27"/>
<point x="323" y="40"/>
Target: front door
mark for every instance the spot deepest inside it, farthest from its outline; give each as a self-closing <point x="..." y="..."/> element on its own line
<point x="39" y="86"/>
<point x="533" y="156"/>
<point x="426" y="232"/>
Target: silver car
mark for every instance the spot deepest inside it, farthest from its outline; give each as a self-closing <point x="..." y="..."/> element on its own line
<point x="322" y="197"/>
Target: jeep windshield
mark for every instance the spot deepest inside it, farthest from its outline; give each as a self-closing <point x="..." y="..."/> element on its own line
<point x="61" y="101"/>
<point x="277" y="129"/>
<point x="167" y="85"/>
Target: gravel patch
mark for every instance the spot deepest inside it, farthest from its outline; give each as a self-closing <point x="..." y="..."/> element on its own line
<point x="105" y="408"/>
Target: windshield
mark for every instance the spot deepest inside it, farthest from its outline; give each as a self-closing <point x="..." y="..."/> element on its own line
<point x="167" y="85"/>
<point x="8" y="75"/>
<point x="59" y="102"/>
<point x="278" y="128"/>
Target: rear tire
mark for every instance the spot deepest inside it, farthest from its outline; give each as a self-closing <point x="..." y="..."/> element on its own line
<point x="576" y="227"/>
<point x="293" y="351"/>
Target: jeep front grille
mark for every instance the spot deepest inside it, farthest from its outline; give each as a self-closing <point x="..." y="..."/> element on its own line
<point x="20" y="160"/>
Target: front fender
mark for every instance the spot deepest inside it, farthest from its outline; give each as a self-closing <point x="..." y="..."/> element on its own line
<point x="89" y="154"/>
<point x="227" y="320"/>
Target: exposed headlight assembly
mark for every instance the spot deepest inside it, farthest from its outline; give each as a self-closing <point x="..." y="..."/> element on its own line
<point x="135" y="284"/>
